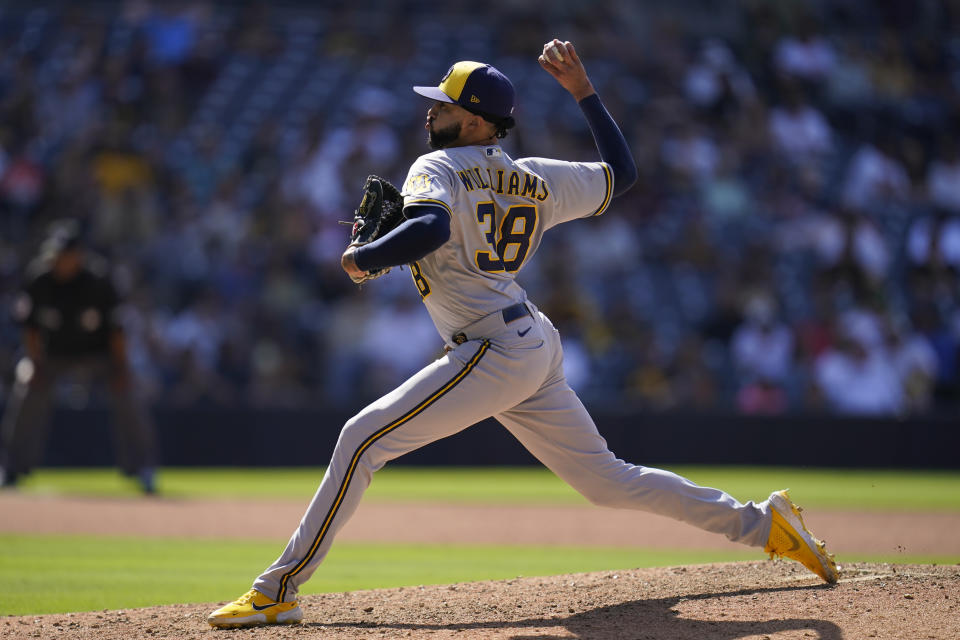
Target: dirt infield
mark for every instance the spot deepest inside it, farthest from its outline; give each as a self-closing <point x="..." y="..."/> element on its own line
<point x="750" y="600"/>
<point x="860" y="532"/>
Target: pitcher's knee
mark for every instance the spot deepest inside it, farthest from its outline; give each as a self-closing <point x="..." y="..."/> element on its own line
<point x="358" y="441"/>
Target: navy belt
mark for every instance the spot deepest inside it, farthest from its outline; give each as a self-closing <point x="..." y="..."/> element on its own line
<point x="509" y="314"/>
<point x="514" y="312"/>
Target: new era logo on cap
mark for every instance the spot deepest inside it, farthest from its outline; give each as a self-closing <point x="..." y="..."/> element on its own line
<point x="476" y="85"/>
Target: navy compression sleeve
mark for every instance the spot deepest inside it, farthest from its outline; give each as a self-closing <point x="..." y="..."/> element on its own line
<point x="426" y="229"/>
<point x="613" y="147"/>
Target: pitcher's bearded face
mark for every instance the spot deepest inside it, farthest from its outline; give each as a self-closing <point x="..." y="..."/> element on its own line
<point x="440" y="138"/>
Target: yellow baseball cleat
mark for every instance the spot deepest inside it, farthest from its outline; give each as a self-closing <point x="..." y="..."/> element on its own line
<point x="253" y="609"/>
<point x="789" y="537"/>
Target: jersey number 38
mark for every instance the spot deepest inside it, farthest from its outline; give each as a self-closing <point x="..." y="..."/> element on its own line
<point x="511" y="241"/>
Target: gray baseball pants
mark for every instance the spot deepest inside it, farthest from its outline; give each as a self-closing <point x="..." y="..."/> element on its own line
<point x="513" y="372"/>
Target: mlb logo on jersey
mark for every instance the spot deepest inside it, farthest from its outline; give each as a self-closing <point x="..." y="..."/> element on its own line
<point x="493" y="152"/>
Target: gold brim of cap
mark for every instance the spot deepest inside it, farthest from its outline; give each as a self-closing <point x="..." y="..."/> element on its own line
<point x="434" y="93"/>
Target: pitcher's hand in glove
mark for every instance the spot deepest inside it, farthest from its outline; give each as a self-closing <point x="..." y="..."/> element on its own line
<point x="379" y="213"/>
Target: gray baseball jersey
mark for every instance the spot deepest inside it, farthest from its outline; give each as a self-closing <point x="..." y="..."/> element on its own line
<point x="499" y="210"/>
<point x="505" y="360"/>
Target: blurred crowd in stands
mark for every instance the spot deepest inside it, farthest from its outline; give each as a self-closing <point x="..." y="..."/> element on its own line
<point x="792" y="245"/>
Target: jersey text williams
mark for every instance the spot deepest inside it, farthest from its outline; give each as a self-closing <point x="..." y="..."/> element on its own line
<point x="514" y="184"/>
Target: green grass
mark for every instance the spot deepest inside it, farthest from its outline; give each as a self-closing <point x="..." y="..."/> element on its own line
<point x="44" y="574"/>
<point x="55" y="573"/>
<point x="813" y="488"/>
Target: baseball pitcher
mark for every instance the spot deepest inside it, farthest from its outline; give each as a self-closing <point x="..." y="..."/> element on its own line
<point x="472" y="218"/>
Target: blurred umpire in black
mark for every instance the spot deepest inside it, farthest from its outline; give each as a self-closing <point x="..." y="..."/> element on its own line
<point x="69" y="311"/>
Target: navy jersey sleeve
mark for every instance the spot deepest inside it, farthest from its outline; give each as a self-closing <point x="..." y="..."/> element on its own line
<point x="425" y="231"/>
<point x="611" y="144"/>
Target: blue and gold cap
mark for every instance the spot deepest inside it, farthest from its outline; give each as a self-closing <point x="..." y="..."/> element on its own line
<point x="475" y="86"/>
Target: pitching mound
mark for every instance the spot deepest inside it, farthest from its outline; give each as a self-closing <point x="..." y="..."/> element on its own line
<point x="773" y="600"/>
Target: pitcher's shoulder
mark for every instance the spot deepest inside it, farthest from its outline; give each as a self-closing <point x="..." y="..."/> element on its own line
<point x="435" y="162"/>
<point x="469" y="153"/>
<point x="438" y="155"/>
